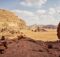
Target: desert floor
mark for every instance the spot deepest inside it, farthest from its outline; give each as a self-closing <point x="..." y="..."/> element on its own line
<point x="49" y="35"/>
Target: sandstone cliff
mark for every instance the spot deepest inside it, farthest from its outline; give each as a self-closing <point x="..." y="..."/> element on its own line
<point x="9" y="23"/>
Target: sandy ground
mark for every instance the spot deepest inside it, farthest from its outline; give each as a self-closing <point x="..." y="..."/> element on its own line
<point x="49" y="35"/>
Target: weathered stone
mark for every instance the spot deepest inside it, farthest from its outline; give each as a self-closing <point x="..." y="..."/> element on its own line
<point x="58" y="31"/>
<point x="10" y="24"/>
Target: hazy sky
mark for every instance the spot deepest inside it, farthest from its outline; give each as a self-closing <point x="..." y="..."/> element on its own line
<point x="34" y="11"/>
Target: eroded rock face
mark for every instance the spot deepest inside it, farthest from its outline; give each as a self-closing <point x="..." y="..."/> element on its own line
<point x="58" y="31"/>
<point x="10" y="23"/>
<point x="9" y="19"/>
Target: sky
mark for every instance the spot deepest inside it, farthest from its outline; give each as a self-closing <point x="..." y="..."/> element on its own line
<point x="40" y="12"/>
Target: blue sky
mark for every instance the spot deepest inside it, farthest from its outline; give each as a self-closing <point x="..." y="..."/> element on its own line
<point x="34" y="11"/>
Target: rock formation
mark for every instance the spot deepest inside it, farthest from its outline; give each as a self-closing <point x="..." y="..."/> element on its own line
<point x="26" y="47"/>
<point x="37" y="28"/>
<point x="9" y="23"/>
<point x="58" y="31"/>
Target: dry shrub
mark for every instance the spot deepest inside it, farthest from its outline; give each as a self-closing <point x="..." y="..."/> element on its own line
<point x="50" y="46"/>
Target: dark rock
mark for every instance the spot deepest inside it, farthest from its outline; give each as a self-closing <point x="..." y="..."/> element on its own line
<point x="58" y="31"/>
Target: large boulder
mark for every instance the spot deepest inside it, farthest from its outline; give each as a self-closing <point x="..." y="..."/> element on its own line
<point x="27" y="47"/>
<point x="58" y="31"/>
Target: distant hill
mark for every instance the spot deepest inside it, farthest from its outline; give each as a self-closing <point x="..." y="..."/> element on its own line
<point x="36" y="28"/>
<point x="50" y="26"/>
<point x="42" y="27"/>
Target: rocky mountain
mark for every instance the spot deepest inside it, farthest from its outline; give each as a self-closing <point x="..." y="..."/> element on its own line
<point x="8" y="18"/>
<point x="10" y="23"/>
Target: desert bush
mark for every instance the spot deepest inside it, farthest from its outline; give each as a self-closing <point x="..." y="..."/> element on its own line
<point x="50" y="46"/>
<point x="3" y="44"/>
<point x="12" y="32"/>
<point x="3" y="41"/>
<point x="31" y="40"/>
<point x="40" y="50"/>
<point x="20" y="37"/>
<point x="1" y="51"/>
